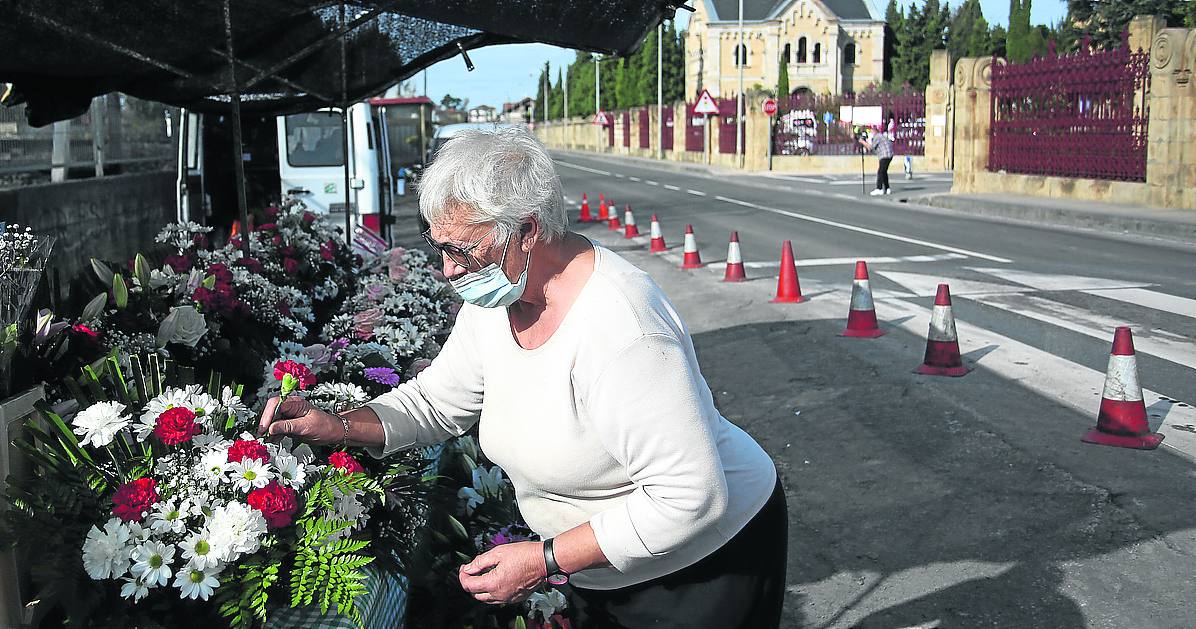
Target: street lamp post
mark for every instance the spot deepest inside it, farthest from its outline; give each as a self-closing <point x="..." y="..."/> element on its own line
<point x="660" y="88"/>
<point x="565" y="85"/>
<point x="598" y="98"/>
<point x="739" y="104"/>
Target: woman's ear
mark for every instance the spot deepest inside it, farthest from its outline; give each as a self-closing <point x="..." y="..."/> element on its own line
<point x="529" y="232"/>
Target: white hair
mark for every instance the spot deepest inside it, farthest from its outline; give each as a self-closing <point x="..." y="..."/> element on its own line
<point x="502" y="175"/>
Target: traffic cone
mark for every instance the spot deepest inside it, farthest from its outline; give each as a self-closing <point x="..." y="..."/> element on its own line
<point x="942" y="343"/>
<point x="1122" y="418"/>
<point x="692" y="259"/>
<point x="629" y="228"/>
<point x="613" y="223"/>
<point x="861" y="318"/>
<point x="657" y="244"/>
<point x="788" y="288"/>
<point x="734" y="271"/>
<point x="602" y="215"/>
<point x="585" y="210"/>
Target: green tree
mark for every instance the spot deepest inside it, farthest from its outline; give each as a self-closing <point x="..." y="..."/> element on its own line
<point x="556" y="98"/>
<point x="540" y="87"/>
<point x="969" y="35"/>
<point x="1023" y="41"/>
<point x="451" y="102"/>
<point x="894" y="27"/>
<point x="783" y="82"/>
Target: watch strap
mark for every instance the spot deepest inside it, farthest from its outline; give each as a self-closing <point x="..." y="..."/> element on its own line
<point x="551" y="567"/>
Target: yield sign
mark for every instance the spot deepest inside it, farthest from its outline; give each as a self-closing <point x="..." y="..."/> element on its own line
<point x="602" y="119"/>
<point x="706" y="105"/>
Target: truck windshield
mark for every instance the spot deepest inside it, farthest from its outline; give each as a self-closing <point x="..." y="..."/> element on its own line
<point x="315" y="139"/>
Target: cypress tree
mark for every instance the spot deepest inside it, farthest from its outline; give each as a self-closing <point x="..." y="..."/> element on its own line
<point x="783" y="83"/>
<point x="556" y="98"/>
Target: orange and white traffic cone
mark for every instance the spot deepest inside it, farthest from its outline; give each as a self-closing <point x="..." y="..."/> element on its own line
<point x="657" y="244"/>
<point x="1122" y="418"/>
<point x="602" y="210"/>
<point x="942" y="342"/>
<point x="629" y="228"/>
<point x="734" y="271"/>
<point x="613" y="223"/>
<point x="691" y="260"/>
<point x="861" y="318"/>
<point x="585" y="216"/>
<point x="788" y="288"/>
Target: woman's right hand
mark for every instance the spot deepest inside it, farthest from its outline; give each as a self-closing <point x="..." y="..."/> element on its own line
<point x="296" y="417"/>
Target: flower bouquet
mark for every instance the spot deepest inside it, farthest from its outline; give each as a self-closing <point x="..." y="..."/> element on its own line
<point x="170" y="505"/>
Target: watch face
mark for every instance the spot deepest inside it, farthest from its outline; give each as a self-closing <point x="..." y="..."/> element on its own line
<point x="558" y="579"/>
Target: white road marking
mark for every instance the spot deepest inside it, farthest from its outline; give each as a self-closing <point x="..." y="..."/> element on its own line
<point x="1158" y="343"/>
<point x="588" y="170"/>
<point x="844" y="183"/>
<point x="618" y="175"/>
<point x="927" y="285"/>
<point x="695" y="192"/>
<point x="650" y="182"/>
<point x="1051" y="376"/>
<point x="1046" y="281"/>
<point x="671" y="187"/>
<point x="865" y="230"/>
<point x="634" y="178"/>
<point x="1149" y="299"/>
<point x="849" y="260"/>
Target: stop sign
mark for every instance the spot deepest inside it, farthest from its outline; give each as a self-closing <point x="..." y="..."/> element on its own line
<point x="770" y="106"/>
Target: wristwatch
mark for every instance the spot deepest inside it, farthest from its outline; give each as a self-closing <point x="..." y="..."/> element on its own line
<point x="555" y="575"/>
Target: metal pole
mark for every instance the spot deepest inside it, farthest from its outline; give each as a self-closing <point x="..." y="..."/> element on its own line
<point x="739" y="101"/>
<point x="546" y="85"/>
<point x="565" y="85"/>
<point x="598" y="99"/>
<point x="660" y="88"/>
<point x="345" y="126"/>
<point x="238" y="157"/>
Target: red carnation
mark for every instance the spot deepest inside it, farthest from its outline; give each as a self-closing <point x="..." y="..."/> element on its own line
<point x="271" y="211"/>
<point x="290" y="265"/>
<point x="133" y="499"/>
<point x="302" y="374"/>
<point x="176" y="425"/>
<point x="345" y="462"/>
<point x="81" y="329"/>
<point x="247" y="449"/>
<point x="277" y="503"/>
<point x="308" y="217"/>
<point x="267" y="227"/>
<point x="327" y="249"/>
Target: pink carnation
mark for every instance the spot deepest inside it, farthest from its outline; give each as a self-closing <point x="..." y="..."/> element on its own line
<point x="364" y="322"/>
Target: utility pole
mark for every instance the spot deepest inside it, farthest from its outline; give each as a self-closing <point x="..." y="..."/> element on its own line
<point x="739" y="126"/>
<point x="660" y="88"/>
<point x="565" y="85"/>
<point x="598" y="97"/>
<point x="546" y="84"/>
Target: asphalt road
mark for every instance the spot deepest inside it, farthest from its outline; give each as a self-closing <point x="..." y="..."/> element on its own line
<point x="918" y="501"/>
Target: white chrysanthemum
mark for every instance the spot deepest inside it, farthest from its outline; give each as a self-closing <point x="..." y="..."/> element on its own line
<point x="236" y="529"/>
<point x="212" y="467"/>
<point x="106" y="552"/>
<point x="204" y="406"/>
<point x="198" y="551"/>
<point x="249" y="474"/>
<point x="304" y="453"/>
<point x="291" y="473"/>
<point x="348" y="507"/>
<point x="233" y="404"/>
<point x="99" y="423"/>
<point x="134" y="588"/>
<point x="170" y="398"/>
<point x="169" y="516"/>
<point x="194" y="583"/>
<point x="211" y="441"/>
<point x="339" y="395"/>
<point x="151" y="562"/>
<point x="138" y="533"/>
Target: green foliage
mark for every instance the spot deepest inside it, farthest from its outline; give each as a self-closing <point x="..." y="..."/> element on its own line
<point x="451" y="102"/>
<point x="1104" y="20"/>
<point x="631" y="81"/>
<point x="783" y="81"/>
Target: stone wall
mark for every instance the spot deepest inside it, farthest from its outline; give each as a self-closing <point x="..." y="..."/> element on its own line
<point x="109" y="218"/>
<point x="1171" y="153"/>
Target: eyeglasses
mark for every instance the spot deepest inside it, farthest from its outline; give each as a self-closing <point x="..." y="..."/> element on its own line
<point x="461" y="256"/>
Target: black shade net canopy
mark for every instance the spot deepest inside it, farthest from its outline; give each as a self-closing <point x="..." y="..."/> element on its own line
<point x="290" y="55"/>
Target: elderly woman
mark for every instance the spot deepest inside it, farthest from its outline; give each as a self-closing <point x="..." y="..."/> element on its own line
<point x="586" y="389"/>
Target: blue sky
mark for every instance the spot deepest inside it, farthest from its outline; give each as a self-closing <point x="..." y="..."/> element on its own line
<point x="507" y="73"/>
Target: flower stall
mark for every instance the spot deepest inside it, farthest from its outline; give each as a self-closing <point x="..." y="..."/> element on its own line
<point x="145" y="497"/>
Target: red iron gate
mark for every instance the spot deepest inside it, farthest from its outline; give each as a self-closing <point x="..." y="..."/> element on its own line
<point x="1083" y="114"/>
<point x="727" y="116"/>
<point x="626" y="128"/>
<point x="695" y="135"/>
<point x="800" y="126"/>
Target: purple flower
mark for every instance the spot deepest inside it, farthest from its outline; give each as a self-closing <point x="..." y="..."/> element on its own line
<point x="382" y="375"/>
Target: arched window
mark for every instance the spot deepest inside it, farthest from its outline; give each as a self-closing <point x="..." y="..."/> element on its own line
<point x="817" y="53"/>
<point x="849" y="54"/>
<point x="801" y="50"/>
<point x="741" y="55"/>
<point x="785" y="55"/>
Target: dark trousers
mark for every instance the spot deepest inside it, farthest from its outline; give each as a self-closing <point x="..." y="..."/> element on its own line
<point x="882" y="173"/>
<point x="741" y="585"/>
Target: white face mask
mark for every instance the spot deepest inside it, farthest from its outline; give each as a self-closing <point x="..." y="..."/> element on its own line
<point x="489" y="287"/>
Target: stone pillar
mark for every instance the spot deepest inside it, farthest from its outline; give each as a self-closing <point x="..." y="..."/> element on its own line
<point x="1171" y="156"/>
<point x="938" y="130"/>
<point x="680" y="111"/>
<point x="755" y="138"/>
<point x="973" y="118"/>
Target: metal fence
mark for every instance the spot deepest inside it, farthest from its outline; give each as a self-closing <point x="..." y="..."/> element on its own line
<point x="666" y="129"/>
<point x="645" y="131"/>
<point x="727" y="116"/>
<point x="1083" y="114"/>
<point x="803" y="127"/>
<point x="695" y="132"/>
<point x="127" y="133"/>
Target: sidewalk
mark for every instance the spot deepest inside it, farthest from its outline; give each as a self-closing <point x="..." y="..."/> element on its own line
<point x="1174" y="225"/>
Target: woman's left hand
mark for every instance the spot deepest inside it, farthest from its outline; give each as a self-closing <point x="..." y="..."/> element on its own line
<point x="508" y="573"/>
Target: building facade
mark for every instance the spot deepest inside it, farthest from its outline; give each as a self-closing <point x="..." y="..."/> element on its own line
<point x="830" y="46"/>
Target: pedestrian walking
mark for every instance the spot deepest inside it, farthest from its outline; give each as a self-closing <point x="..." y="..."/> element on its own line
<point x="879" y="142"/>
<point x="583" y="380"/>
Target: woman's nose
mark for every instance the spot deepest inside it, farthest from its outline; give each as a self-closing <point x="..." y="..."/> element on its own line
<point x="452" y="270"/>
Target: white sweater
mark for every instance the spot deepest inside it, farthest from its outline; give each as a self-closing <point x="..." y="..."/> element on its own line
<point x="609" y="421"/>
